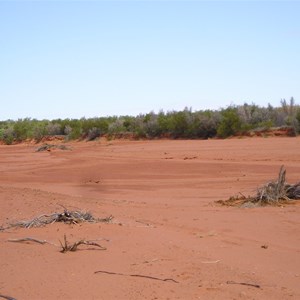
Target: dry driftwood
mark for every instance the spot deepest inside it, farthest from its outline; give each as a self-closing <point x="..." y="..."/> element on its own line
<point x="137" y="275"/>
<point x="66" y="247"/>
<point x="69" y="217"/>
<point x="272" y="193"/>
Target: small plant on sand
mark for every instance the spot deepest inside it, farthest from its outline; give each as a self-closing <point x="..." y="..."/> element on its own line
<point x="66" y="247"/>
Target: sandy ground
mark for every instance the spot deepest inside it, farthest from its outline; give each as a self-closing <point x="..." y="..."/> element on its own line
<point x="166" y="225"/>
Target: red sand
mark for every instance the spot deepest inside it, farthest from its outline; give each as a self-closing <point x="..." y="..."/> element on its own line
<point x="166" y="224"/>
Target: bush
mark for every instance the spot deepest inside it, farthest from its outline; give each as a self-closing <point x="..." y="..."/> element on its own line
<point x="298" y="121"/>
<point x="8" y="135"/>
<point x="206" y="124"/>
<point x="179" y="124"/>
<point x="53" y="129"/>
<point x="117" y="127"/>
<point x="175" y="124"/>
<point x="93" y="134"/>
<point x="230" y="122"/>
<point x="23" y="129"/>
<point x="68" y="130"/>
<point x="39" y="131"/>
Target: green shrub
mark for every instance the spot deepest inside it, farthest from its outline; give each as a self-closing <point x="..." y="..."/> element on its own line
<point x="8" y="135"/>
<point x="23" y="129"/>
<point x="39" y="131"/>
<point x="230" y="122"/>
<point x="298" y="121"/>
<point x="206" y="124"/>
<point x="174" y="124"/>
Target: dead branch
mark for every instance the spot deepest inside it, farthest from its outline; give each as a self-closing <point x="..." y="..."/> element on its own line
<point x="48" y="147"/>
<point x="244" y="283"/>
<point x="144" y="223"/>
<point x="27" y="239"/>
<point x="30" y="239"/>
<point x="273" y="193"/>
<point x="211" y="262"/>
<point x="154" y="278"/>
<point x="7" y="297"/>
<point x="67" y="216"/>
<point x="137" y="275"/>
<point x="74" y="247"/>
<point x="65" y="247"/>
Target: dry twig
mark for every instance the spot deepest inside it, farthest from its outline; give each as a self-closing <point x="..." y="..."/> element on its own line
<point x="28" y="239"/>
<point x="7" y="297"/>
<point x="244" y="283"/>
<point x="137" y="275"/>
<point x="210" y="262"/>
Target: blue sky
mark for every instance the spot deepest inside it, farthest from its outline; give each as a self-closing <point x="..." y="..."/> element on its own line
<point x="70" y="59"/>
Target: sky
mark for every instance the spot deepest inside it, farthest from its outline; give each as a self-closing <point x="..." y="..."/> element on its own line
<point x="73" y="59"/>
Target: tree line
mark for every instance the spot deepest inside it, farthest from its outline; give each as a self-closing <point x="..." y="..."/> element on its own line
<point x="203" y="124"/>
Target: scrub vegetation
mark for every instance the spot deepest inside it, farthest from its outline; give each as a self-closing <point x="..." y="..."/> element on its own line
<point x="247" y="119"/>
